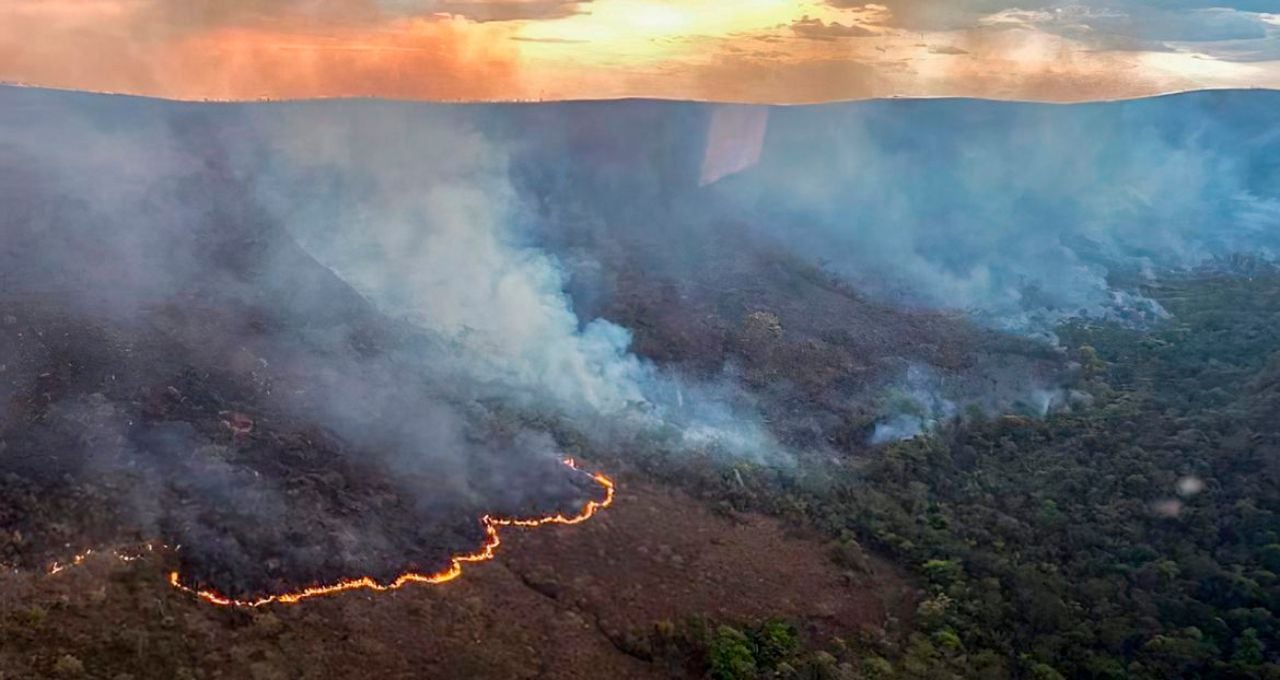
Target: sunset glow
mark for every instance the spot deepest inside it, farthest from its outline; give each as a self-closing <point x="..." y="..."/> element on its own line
<point x="737" y="50"/>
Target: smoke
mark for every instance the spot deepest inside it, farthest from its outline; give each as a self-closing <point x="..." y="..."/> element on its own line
<point x="179" y="366"/>
<point x="418" y="213"/>
<point x="913" y="407"/>
<point x="1021" y="215"/>
<point x="1015" y="217"/>
<point x="367" y="318"/>
<point x="319" y="338"/>
<point x="1010" y="217"/>
<point x="415" y="213"/>
<point x="922" y="399"/>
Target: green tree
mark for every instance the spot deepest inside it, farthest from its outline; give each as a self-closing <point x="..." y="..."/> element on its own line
<point x="1248" y="649"/>
<point x="774" y="641"/>
<point x="730" y="656"/>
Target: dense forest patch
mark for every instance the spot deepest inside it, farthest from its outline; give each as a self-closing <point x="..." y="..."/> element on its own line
<point x="1137" y="536"/>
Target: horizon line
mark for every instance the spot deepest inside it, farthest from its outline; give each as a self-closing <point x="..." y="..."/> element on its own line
<point x="626" y="98"/>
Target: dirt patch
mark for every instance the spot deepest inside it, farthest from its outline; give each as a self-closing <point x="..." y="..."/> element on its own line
<point x="660" y="555"/>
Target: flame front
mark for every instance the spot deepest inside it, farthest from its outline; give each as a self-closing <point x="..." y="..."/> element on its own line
<point x="486" y="551"/>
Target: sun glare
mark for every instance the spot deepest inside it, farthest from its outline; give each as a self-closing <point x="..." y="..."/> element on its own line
<point x="625" y="24"/>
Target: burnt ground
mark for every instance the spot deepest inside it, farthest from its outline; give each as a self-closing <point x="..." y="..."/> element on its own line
<point x="117" y="433"/>
<point x="196" y="408"/>
<point x="560" y="602"/>
<point x="557" y="603"/>
<point x="205" y="383"/>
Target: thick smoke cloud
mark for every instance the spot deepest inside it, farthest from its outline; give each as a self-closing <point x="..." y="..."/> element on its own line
<point x="1014" y="216"/>
<point x="1022" y="215"/>
<point x="418" y="213"/>
<point x="415" y="211"/>
<point x="410" y="205"/>
<point x="305" y="342"/>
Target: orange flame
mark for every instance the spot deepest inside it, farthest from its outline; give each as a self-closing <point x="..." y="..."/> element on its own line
<point x="486" y="551"/>
<point x="121" y="555"/>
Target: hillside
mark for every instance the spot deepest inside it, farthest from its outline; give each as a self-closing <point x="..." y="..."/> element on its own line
<point x="919" y="389"/>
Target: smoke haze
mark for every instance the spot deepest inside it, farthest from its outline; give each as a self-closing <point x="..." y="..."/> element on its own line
<point x="1018" y="214"/>
<point x="374" y="320"/>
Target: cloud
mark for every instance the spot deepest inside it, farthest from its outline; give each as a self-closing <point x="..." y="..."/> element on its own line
<point x="1139" y="23"/>
<point x="1238" y="5"/>
<point x="816" y="29"/>
<point x="548" y="41"/>
<point x="1186" y="20"/>
<point x="1244" y="51"/>
<point x="512" y="10"/>
<point x="1226" y="31"/>
<point x="238" y="56"/>
<point x="937" y="15"/>
<point x="749" y="79"/>
<point x="205" y="14"/>
<point x="1061" y="50"/>
<point x="1194" y="25"/>
<point x="1221" y="33"/>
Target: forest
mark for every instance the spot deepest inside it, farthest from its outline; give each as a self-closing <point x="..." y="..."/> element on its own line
<point x="1132" y="536"/>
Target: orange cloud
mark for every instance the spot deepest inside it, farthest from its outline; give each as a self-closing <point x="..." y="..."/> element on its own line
<point x="729" y="50"/>
<point x="236" y="52"/>
<point x="418" y="59"/>
<point x="1009" y="64"/>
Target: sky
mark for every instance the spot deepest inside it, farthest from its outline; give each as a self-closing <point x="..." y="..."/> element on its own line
<point x="761" y="51"/>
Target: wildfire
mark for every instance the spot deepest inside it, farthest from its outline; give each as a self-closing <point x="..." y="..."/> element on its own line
<point x="75" y="562"/>
<point x="122" y="555"/>
<point x="486" y="551"/>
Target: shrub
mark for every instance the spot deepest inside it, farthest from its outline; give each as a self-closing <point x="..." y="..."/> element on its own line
<point x="730" y="656"/>
<point x="775" y="641"/>
<point x="68" y="666"/>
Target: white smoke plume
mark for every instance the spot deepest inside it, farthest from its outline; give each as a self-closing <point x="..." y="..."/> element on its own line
<point x="415" y="209"/>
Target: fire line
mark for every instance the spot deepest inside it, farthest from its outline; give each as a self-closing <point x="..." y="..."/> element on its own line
<point x="486" y="551"/>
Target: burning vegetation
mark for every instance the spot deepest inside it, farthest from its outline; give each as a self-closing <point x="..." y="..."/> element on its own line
<point x="140" y="450"/>
<point x="205" y="384"/>
<point x="486" y="551"/>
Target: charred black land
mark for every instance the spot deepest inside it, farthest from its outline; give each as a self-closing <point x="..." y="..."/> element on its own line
<point x="187" y="408"/>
